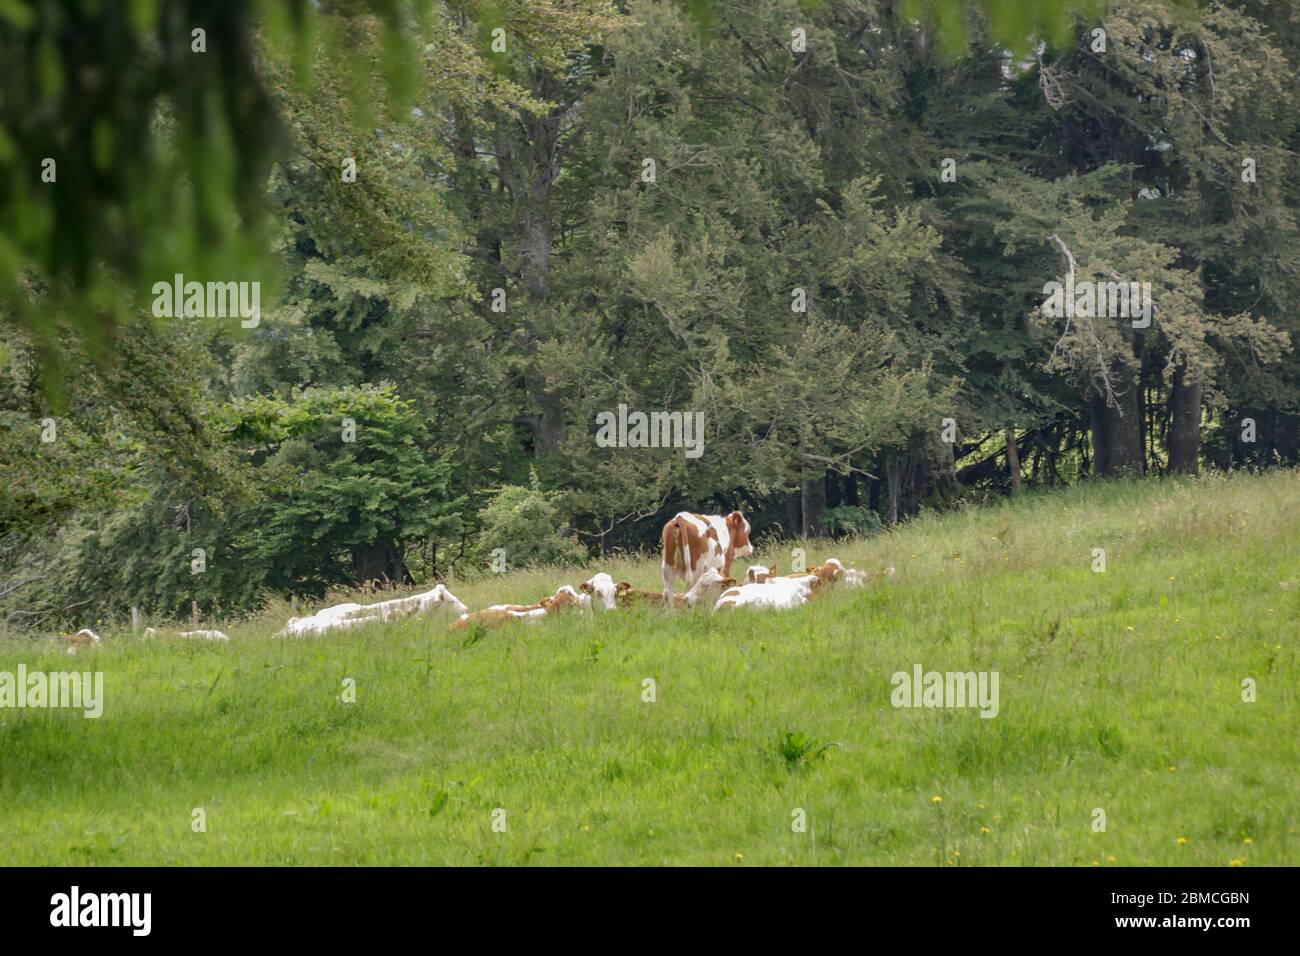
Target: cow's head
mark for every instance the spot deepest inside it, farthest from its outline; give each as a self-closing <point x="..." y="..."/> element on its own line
<point x="567" y="596"/>
<point x="738" y="528"/>
<point x="832" y="570"/>
<point x="601" y="586"/>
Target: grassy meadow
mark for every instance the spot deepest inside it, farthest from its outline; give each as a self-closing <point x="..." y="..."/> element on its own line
<point x="1119" y="690"/>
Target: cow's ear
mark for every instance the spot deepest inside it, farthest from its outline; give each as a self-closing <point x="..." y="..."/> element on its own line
<point x="623" y="586"/>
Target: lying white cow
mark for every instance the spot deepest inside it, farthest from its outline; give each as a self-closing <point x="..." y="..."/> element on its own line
<point x="206" y="635"/>
<point x="350" y="615"/>
<point x="776" y="593"/>
<point x="856" y="578"/>
<point x="201" y="635"/>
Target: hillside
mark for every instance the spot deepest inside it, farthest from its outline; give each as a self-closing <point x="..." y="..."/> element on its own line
<point x="1119" y="690"/>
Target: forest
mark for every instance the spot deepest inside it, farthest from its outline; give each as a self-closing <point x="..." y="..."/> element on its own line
<point x="302" y="296"/>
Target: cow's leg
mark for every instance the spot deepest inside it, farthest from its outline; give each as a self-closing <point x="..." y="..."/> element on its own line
<point x="668" y="575"/>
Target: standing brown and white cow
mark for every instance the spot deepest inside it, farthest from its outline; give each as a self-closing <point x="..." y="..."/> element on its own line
<point x="694" y="542"/>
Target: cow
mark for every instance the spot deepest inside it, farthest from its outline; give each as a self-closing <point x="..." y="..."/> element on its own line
<point x="351" y="614"/>
<point x="855" y="578"/>
<point x="603" y="588"/>
<point x="757" y="573"/>
<point x="818" y="577"/>
<point x="83" y="638"/>
<point x="709" y="580"/>
<point x="564" y="599"/>
<point x="692" y="543"/>
<point x="204" y="635"/>
<point x="776" y="593"/>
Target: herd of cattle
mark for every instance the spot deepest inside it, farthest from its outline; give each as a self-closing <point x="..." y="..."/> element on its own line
<point x="698" y="549"/>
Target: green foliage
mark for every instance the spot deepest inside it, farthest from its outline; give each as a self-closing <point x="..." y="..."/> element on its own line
<point x="852" y="520"/>
<point x="797" y="749"/>
<point x="527" y="523"/>
<point x="501" y="260"/>
<point x="162" y="139"/>
<point x="350" y="482"/>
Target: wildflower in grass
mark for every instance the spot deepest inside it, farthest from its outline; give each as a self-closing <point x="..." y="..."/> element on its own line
<point x="985" y="830"/>
<point x="936" y="799"/>
<point x="1173" y="769"/>
<point x="739" y="857"/>
<point x="1110" y="859"/>
<point x="1248" y="840"/>
<point x="1182" y="841"/>
<point x="1128" y="627"/>
<point x="1095" y="863"/>
<point x="1236" y="862"/>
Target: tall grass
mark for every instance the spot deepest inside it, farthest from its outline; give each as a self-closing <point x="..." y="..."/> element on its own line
<point x="1120" y="691"/>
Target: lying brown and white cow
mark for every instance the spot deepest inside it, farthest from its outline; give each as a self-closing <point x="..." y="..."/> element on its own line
<point x="694" y="543"/>
<point x="816" y="577"/>
<point x="709" y="581"/>
<point x="565" y="598"/>
<point x="83" y="638"/>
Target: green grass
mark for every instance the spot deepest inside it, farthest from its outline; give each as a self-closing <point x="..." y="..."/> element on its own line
<point x="1119" y="690"/>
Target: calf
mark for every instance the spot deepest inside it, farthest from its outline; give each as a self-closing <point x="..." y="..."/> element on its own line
<point x="83" y="638"/>
<point x="711" y="579"/>
<point x="563" y="599"/>
<point x="855" y="578"/>
<point x="207" y="635"/>
<point x="693" y="543"/>
<point x="602" y="588"/>
<point x="814" y="578"/>
<point x="776" y="593"/>
<point x="350" y="615"/>
<point x="818" y="577"/>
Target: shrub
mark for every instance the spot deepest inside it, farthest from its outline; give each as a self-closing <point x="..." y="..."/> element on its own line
<point x="525" y="521"/>
<point x="844" y="520"/>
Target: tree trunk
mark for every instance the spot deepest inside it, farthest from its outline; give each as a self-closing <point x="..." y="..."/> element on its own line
<point x="813" y="505"/>
<point x="528" y="158"/>
<point x="1013" y="460"/>
<point x="379" y="562"/>
<point x="794" y="512"/>
<point x="1184" y="424"/>
<point x="893" y="474"/>
<point x="1116" y="434"/>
